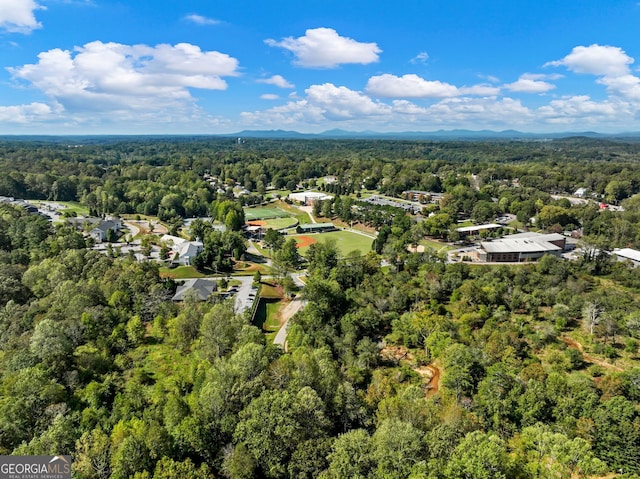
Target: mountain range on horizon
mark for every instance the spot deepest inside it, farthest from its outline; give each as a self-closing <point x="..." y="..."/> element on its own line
<point x="457" y="134"/>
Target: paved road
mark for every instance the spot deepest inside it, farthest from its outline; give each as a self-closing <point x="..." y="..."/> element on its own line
<point x="246" y="294"/>
<point x="292" y="308"/>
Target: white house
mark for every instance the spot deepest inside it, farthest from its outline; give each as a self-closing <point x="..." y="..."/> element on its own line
<point x="185" y="250"/>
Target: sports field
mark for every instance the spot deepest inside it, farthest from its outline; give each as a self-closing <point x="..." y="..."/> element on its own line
<point x="260" y="213"/>
<point x="346" y="241"/>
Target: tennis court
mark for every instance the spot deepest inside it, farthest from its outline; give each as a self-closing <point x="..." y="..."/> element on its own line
<point x="260" y="213"/>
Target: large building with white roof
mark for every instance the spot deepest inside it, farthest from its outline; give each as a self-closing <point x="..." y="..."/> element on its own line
<point x="521" y="247"/>
<point x="308" y="197"/>
<point x="628" y="254"/>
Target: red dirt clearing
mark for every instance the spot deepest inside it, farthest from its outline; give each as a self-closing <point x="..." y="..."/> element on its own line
<point x="304" y="241"/>
<point x="257" y="223"/>
<point x="430" y="373"/>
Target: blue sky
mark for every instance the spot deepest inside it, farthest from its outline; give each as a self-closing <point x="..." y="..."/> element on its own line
<point x="195" y="66"/>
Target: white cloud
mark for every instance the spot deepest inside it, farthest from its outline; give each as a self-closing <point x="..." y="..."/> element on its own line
<point x="610" y="63"/>
<point x="627" y="86"/>
<point x="530" y="83"/>
<point x="24" y="114"/>
<point x="201" y="20"/>
<point x="17" y="16"/>
<point x="596" y="59"/>
<point x="488" y="112"/>
<point x="480" y="90"/>
<point x="113" y="77"/>
<point x="489" y="78"/>
<point x="341" y="102"/>
<point x="582" y="109"/>
<point x="277" y="80"/>
<point x="329" y="104"/>
<point x="408" y="86"/>
<point x="405" y="107"/>
<point x="325" y="102"/>
<point x="324" y="48"/>
<point x="421" y="57"/>
<point x="269" y="96"/>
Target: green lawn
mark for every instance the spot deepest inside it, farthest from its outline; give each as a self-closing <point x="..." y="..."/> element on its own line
<point x="281" y="193"/>
<point x="181" y="272"/>
<point x="346" y="241"/>
<point x="269" y="291"/>
<point x="79" y="209"/>
<point x="70" y="206"/>
<point x="281" y="223"/>
<point x="436" y="245"/>
<point x="260" y="212"/>
<point x="267" y="316"/>
<point x="301" y="216"/>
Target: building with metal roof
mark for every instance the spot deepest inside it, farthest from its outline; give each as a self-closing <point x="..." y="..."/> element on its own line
<point x="315" y="228"/>
<point x="521" y="247"/>
<point x="628" y="254"/>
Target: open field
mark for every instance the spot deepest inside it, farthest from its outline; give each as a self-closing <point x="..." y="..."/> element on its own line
<point x="437" y="246"/>
<point x="301" y="216"/>
<point x="69" y="206"/>
<point x="269" y="311"/>
<point x="181" y="272"/>
<point x="276" y="223"/>
<point x="79" y="209"/>
<point x="264" y="213"/>
<point x="346" y="241"/>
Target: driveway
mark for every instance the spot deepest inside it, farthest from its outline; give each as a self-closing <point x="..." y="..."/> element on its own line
<point x="246" y="295"/>
<point x="292" y="308"/>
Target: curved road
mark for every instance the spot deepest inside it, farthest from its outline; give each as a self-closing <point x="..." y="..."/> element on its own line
<point x="297" y="304"/>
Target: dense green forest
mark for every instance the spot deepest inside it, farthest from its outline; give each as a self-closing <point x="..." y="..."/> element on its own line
<point x="416" y="369"/>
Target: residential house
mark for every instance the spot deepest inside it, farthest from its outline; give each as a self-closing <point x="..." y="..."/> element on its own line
<point x="101" y="230"/>
<point x="201" y="288"/>
<point x="183" y="252"/>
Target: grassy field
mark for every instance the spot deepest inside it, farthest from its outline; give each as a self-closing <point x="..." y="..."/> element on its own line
<point x="267" y="316"/>
<point x="181" y="272"/>
<point x="280" y="193"/>
<point x="76" y="207"/>
<point x="346" y="241"/>
<point x="281" y="223"/>
<point x="69" y="206"/>
<point x="261" y="213"/>
<point x="301" y="216"/>
<point x="436" y="245"/>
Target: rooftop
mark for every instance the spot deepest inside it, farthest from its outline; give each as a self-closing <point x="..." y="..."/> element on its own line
<point x="628" y="253"/>
<point x="470" y="229"/>
<point x="201" y="287"/>
<point x="516" y="245"/>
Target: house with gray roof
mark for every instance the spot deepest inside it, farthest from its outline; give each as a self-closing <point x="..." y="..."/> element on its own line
<point x="100" y="232"/>
<point x="201" y="288"/>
